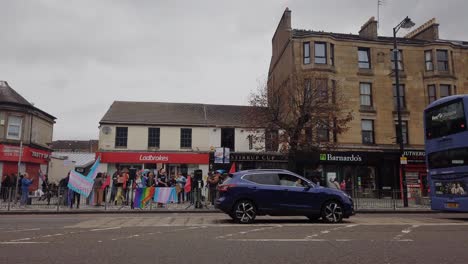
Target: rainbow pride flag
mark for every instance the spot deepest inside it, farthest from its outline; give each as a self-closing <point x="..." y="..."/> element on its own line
<point x="143" y="196"/>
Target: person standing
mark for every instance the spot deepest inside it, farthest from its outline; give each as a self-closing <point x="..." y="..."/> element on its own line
<point x="120" y="198"/>
<point x="115" y="177"/>
<point x="180" y="184"/>
<point x="213" y="180"/>
<point x="6" y="184"/>
<point x="25" y="183"/>
<point x="98" y="191"/>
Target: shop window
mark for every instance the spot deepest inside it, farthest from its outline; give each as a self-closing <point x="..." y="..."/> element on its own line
<point x="14" y="127"/>
<point x="153" y="137"/>
<point x="185" y="137"/>
<point x="227" y="138"/>
<point x="121" y="136"/>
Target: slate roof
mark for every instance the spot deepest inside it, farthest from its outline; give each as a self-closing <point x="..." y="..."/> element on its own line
<point x="75" y="145"/>
<point x="8" y="95"/>
<point x="301" y="33"/>
<point x="81" y="159"/>
<point x="159" y="113"/>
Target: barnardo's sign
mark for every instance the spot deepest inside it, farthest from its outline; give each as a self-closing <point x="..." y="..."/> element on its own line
<point x="341" y="157"/>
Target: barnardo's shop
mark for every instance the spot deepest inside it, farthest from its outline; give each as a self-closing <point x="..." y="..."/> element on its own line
<point x="173" y="162"/>
<point x="367" y="171"/>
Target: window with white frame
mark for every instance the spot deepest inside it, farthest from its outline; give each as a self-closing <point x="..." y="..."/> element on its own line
<point x="14" y="127"/>
<point x="366" y="94"/>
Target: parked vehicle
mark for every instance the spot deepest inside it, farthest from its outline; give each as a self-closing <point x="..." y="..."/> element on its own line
<point x="249" y="193"/>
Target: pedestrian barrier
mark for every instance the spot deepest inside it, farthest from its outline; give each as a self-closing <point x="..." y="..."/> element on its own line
<point x="113" y="198"/>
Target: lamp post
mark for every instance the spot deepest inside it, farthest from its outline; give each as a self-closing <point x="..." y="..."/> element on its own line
<point x="406" y="23"/>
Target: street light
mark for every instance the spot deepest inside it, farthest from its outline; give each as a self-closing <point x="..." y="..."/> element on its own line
<point x="406" y="23"/>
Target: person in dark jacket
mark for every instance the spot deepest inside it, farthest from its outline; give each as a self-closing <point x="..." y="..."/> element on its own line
<point x="6" y="185"/>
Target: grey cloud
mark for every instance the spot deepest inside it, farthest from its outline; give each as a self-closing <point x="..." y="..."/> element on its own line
<point x="73" y="58"/>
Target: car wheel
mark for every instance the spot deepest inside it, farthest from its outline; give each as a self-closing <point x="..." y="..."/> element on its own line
<point x="244" y="212"/>
<point x="332" y="212"/>
<point x="313" y="218"/>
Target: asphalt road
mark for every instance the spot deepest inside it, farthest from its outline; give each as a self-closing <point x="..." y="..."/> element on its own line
<point x="213" y="238"/>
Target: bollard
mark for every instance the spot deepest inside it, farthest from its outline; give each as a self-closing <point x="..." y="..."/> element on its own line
<point x="105" y="199"/>
<point x="9" y="198"/>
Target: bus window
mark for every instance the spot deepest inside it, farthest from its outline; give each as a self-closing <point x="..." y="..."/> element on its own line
<point x="445" y="120"/>
<point x="448" y="158"/>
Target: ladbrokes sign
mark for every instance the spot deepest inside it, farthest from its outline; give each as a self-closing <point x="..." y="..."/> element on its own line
<point x="341" y="157"/>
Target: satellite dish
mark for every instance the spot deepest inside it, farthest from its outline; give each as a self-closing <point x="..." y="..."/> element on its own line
<point x="106" y="130"/>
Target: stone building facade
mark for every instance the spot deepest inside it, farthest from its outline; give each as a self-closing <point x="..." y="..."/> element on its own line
<point x="430" y="68"/>
<point x="25" y="135"/>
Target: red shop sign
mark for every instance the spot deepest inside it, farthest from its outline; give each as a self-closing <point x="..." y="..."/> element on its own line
<point x="153" y="157"/>
<point x="33" y="155"/>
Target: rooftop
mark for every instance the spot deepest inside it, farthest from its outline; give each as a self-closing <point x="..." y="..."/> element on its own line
<point x="159" y="113"/>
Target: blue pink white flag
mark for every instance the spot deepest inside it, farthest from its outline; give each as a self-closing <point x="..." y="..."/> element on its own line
<point x="83" y="184"/>
<point x="165" y="195"/>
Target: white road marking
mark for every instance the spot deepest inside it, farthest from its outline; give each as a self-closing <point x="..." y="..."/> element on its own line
<point x="102" y="229"/>
<point x="330" y="230"/>
<point x="22" y="230"/>
<point x="249" y="231"/>
<point x="405" y="232"/>
<point x="21" y="242"/>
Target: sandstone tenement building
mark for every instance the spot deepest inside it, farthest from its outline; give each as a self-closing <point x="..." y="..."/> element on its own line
<point x="430" y="68"/>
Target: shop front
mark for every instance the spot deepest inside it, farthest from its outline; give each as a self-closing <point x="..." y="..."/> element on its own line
<point x="416" y="173"/>
<point x="369" y="173"/>
<point x="251" y="160"/>
<point x="183" y="163"/>
<point x="32" y="160"/>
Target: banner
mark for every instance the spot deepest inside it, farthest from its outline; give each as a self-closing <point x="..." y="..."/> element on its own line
<point x="165" y="195"/>
<point x="83" y="184"/>
<point x="143" y="196"/>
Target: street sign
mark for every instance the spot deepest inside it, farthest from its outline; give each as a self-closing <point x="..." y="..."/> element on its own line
<point x="403" y="160"/>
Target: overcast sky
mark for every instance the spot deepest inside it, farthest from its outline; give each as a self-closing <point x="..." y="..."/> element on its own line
<point x="72" y="59"/>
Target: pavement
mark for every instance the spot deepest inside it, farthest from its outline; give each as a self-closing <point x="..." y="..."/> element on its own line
<point x="214" y="238"/>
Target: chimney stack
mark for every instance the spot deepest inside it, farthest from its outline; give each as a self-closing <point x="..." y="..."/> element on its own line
<point x="369" y="29"/>
<point x="427" y="31"/>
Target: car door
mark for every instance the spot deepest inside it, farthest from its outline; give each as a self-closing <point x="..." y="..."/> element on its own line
<point x="297" y="196"/>
<point x="264" y="190"/>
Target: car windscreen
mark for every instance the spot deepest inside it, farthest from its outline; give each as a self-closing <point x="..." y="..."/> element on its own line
<point x="448" y="158"/>
<point x="446" y="119"/>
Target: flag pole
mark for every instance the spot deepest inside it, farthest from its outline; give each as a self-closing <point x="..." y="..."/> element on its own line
<point x="19" y="167"/>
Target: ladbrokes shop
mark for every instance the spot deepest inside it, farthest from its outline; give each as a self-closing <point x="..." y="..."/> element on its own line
<point x="173" y="162"/>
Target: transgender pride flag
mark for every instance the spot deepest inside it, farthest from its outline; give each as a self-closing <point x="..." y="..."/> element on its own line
<point x="83" y="184"/>
<point x="165" y="195"/>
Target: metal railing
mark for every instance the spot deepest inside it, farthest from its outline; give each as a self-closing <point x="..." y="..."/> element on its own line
<point x="113" y="198"/>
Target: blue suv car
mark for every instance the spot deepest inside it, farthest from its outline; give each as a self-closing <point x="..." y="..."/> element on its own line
<point x="249" y="193"/>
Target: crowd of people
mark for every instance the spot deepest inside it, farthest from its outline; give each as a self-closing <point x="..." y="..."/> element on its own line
<point x="118" y="188"/>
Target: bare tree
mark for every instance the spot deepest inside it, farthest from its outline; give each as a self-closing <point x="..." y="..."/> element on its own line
<point x="305" y="113"/>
